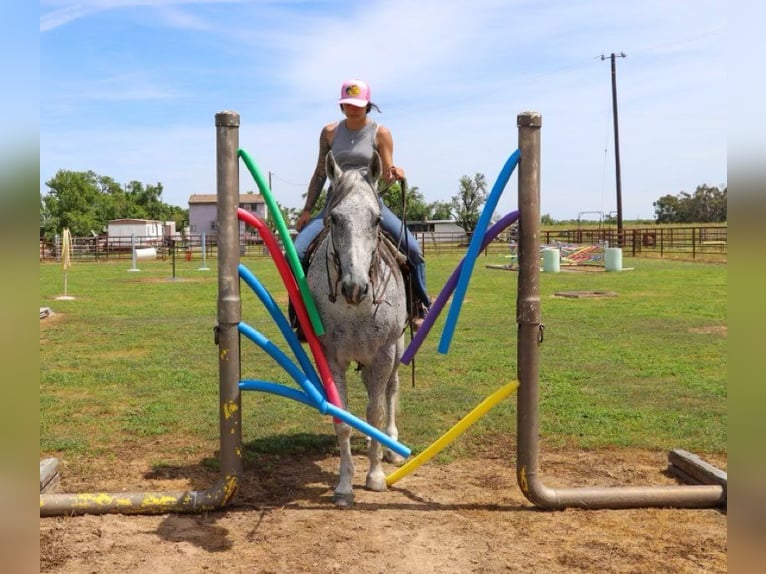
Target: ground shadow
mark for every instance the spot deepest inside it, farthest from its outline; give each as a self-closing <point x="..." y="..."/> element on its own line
<point x="195" y="529"/>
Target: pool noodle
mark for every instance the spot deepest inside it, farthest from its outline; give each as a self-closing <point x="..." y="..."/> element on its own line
<point x="443" y="297"/>
<point x="300" y="309"/>
<point x="275" y="353"/>
<point x="473" y="251"/>
<point x="279" y="318"/>
<point x="439" y="444"/>
<point x="287" y="241"/>
<point x="345" y="416"/>
<point x="275" y="389"/>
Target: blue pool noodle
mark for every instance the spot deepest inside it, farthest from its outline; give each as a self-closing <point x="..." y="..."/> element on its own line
<point x="279" y="318"/>
<point x="275" y="353"/>
<point x="330" y="409"/>
<point x="473" y="251"/>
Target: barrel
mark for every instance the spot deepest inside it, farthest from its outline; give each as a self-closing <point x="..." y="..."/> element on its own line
<point x="613" y="258"/>
<point x="146" y="253"/>
<point x="551" y="260"/>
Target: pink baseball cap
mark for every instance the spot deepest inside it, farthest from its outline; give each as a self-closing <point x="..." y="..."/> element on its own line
<point x="355" y="92"/>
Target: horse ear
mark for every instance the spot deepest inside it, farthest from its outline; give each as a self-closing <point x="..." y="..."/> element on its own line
<point x="376" y="167"/>
<point x="331" y="167"/>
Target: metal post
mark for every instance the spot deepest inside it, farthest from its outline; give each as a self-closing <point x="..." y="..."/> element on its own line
<point x="229" y="304"/>
<point x="204" y="254"/>
<point x="227" y="336"/>
<point x="133" y="252"/>
<point x="529" y="339"/>
<point x="173" y="256"/>
<point x="528" y="301"/>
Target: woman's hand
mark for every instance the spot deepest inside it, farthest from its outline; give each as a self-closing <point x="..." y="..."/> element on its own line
<point x="394" y="173"/>
<point x="303" y="219"/>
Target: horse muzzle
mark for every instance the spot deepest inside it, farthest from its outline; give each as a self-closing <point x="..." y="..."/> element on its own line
<point x="353" y="291"/>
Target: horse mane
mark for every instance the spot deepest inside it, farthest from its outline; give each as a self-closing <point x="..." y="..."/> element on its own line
<point x="350" y="180"/>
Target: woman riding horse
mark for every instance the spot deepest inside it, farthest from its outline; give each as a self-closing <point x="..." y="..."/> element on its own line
<point x="353" y="142"/>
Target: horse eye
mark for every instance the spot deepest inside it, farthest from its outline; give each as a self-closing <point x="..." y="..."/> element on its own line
<point x="377" y="220"/>
<point x="334" y="218"/>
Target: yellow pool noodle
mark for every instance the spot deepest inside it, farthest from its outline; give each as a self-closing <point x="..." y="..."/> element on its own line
<point x="444" y="440"/>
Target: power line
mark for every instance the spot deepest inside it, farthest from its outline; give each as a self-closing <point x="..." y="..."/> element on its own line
<point x="275" y="176"/>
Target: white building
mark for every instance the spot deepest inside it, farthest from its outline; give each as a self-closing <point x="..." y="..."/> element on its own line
<point x="437" y="230"/>
<point x="203" y="211"/>
<point x="147" y="230"/>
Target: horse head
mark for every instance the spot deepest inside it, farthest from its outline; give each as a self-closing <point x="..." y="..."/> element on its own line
<point x="353" y="216"/>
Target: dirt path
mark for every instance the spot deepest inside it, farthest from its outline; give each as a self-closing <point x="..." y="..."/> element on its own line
<point x="468" y="516"/>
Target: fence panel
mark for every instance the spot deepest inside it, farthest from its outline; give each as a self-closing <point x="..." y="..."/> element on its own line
<point x="687" y="242"/>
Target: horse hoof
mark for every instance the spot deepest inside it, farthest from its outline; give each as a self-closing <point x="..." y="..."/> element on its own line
<point x="343" y="500"/>
<point x="393" y="458"/>
<point x="376" y="485"/>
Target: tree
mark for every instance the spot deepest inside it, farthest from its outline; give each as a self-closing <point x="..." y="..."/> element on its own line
<point x="74" y="201"/>
<point x="85" y="201"/>
<point x="289" y="215"/>
<point x="469" y="200"/>
<point x="440" y="210"/>
<point x="707" y="205"/>
<point x="416" y="207"/>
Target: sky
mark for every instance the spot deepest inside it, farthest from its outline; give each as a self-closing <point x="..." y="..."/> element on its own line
<point x="129" y="89"/>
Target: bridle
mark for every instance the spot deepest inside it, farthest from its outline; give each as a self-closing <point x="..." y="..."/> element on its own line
<point x="381" y="254"/>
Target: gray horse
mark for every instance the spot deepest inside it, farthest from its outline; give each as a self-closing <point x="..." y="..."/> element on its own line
<point x="359" y="292"/>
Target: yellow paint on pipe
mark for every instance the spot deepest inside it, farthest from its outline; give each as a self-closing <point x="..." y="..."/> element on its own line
<point x="523" y="480"/>
<point x="229" y="408"/>
<point x="444" y="440"/>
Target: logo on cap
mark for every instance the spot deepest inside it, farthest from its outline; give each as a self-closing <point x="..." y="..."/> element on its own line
<point x="353" y="90"/>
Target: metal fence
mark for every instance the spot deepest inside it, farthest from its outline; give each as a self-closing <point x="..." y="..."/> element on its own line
<point x="678" y="242"/>
<point x="700" y="242"/>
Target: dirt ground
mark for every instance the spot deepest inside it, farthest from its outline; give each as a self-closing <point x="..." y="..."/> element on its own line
<point x="468" y="516"/>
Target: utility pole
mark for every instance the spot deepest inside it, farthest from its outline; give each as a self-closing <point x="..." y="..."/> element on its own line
<point x="616" y="145"/>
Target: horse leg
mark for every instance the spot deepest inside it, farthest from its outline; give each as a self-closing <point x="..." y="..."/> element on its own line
<point x="392" y="405"/>
<point x="343" y="496"/>
<point x="376" y="378"/>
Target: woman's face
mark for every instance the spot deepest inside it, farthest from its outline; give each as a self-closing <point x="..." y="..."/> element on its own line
<point x="353" y="111"/>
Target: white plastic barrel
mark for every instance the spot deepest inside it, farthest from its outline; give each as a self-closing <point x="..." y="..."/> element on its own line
<point x="613" y="258"/>
<point x="551" y="260"/>
<point x="146" y="253"/>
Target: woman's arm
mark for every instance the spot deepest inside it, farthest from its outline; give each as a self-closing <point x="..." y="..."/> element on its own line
<point x="384" y="142"/>
<point x="318" y="179"/>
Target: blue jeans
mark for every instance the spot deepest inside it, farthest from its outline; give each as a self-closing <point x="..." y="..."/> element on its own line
<point x="402" y="237"/>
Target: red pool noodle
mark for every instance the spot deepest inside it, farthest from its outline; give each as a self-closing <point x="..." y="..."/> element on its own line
<point x="298" y="304"/>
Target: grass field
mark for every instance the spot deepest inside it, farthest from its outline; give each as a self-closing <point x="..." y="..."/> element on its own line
<point x="131" y="363"/>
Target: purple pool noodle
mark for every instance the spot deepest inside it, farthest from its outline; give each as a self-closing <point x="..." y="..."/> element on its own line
<point x="444" y="295"/>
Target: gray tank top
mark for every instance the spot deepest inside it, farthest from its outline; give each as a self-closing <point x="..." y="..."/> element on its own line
<point x="353" y="148"/>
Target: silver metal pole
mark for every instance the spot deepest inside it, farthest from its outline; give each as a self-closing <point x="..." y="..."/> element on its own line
<point x="229" y="303"/>
<point x="528" y="318"/>
<point x="229" y="313"/>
